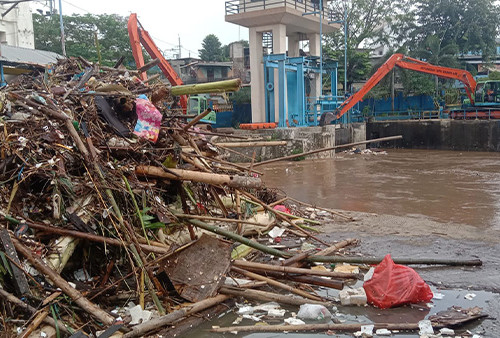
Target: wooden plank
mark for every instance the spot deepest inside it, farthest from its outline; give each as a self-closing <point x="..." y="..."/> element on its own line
<point x="20" y="282"/>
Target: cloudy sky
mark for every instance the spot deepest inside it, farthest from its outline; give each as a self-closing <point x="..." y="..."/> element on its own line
<point x="166" y="20"/>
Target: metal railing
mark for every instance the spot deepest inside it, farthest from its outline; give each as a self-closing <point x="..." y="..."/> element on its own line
<point x="303" y="6"/>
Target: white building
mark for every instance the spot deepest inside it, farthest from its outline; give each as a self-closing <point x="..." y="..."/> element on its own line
<point x="16" y="25"/>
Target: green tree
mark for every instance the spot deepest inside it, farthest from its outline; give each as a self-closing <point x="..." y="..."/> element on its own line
<point x="211" y="49"/>
<point x="80" y="32"/>
<point x="470" y="25"/>
<point x="366" y="20"/>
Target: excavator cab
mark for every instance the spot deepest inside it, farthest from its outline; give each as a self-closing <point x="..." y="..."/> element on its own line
<point x="488" y="93"/>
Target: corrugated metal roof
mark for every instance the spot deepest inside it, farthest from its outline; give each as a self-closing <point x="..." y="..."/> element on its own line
<point x="21" y="55"/>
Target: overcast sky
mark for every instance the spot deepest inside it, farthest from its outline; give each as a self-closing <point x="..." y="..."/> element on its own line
<point x="166" y="20"/>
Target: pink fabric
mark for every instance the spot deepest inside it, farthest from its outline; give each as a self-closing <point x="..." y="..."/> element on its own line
<point x="148" y="120"/>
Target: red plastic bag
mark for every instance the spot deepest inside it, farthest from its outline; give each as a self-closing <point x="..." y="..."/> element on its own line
<point x="393" y="284"/>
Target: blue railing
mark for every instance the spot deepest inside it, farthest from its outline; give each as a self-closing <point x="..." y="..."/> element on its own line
<point x="304" y="6"/>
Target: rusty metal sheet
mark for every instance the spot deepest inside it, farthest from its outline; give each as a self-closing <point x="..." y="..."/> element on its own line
<point x="198" y="271"/>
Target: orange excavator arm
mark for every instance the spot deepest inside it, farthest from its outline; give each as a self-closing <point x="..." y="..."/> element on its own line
<point x="138" y="36"/>
<point x="404" y="62"/>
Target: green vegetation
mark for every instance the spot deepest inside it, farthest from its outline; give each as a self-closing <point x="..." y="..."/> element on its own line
<point x="211" y="49"/>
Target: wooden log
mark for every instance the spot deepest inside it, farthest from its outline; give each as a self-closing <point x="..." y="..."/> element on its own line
<point x="233" y="181"/>
<point x="197" y="119"/>
<point x="205" y="88"/>
<point x="61" y="283"/>
<point x="157" y="323"/>
<point x="405" y="261"/>
<point x="251" y="144"/>
<point x="28" y="308"/>
<point x="275" y="283"/>
<point x="382" y="139"/>
<point x="148" y="65"/>
<point x="289" y="269"/>
<point x="267" y="296"/>
<point x="318" y="327"/>
<point x="229" y="163"/>
<point x="313" y="280"/>
<point x="154" y="77"/>
<point x="297" y="258"/>
<point x="238" y="238"/>
<point x="337" y="246"/>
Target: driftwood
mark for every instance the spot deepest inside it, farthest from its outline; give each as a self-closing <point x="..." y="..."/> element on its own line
<point x="405" y="261"/>
<point x="197" y="119"/>
<point x="267" y="296"/>
<point x="251" y="144"/>
<point x="28" y="308"/>
<point x="333" y="212"/>
<point x="39" y="318"/>
<point x="273" y="282"/>
<point x="61" y="283"/>
<point x="315" y="327"/>
<point x="157" y="323"/>
<point x="288" y="269"/>
<point x="337" y="246"/>
<point x="219" y="219"/>
<point x="382" y="139"/>
<point x="188" y="175"/>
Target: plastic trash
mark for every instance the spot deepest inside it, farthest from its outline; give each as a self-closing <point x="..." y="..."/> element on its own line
<point x="447" y="332"/>
<point x="425" y="327"/>
<point x="393" y="284"/>
<point x="148" y="120"/>
<point x="366" y="331"/>
<point x="313" y="311"/>
<point x="353" y="297"/>
<point x="383" y="332"/>
<point x="294" y="321"/>
<point x="282" y="208"/>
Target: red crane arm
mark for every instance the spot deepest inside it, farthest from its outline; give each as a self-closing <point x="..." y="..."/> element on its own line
<point x="413" y="64"/>
<point x="138" y="36"/>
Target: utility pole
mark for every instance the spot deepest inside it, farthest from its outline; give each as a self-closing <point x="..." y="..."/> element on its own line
<point x="62" y="29"/>
<point x="50" y="7"/>
<point x="179" y="45"/>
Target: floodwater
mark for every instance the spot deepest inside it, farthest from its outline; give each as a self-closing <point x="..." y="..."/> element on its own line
<point x="447" y="186"/>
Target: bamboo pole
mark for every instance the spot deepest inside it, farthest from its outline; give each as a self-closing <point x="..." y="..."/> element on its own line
<point x="275" y="283"/>
<point x="238" y="238"/>
<point x="94" y="238"/>
<point x="39" y="318"/>
<point x="320" y="327"/>
<point x="219" y="219"/>
<point x="390" y="138"/>
<point x="61" y="283"/>
<point x="289" y="269"/>
<point x="228" y="163"/>
<point x="337" y="246"/>
<point x="313" y="280"/>
<point x="251" y="144"/>
<point x="189" y="175"/>
<point x="210" y="87"/>
<point x="333" y="212"/>
<point x="405" y="261"/>
<point x="157" y="323"/>
<point x="267" y="296"/>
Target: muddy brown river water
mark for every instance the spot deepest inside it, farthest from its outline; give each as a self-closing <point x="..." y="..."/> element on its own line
<point x="408" y="203"/>
<point x="461" y="187"/>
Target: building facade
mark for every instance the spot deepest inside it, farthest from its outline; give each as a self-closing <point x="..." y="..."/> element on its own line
<point x="16" y="25"/>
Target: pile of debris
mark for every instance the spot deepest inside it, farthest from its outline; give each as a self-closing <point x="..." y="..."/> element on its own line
<point x="120" y="217"/>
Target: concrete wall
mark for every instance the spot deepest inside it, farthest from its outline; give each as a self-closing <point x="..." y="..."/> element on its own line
<point x="469" y="135"/>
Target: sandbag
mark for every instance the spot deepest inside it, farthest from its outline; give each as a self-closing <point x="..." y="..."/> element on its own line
<point x="393" y="285"/>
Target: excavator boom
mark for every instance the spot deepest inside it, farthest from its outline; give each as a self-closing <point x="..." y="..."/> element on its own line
<point x="138" y="36"/>
<point x="406" y="63"/>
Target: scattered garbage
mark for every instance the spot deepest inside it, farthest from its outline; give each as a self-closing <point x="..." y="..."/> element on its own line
<point x="425" y="327"/>
<point x="350" y="296"/>
<point x="313" y="312"/>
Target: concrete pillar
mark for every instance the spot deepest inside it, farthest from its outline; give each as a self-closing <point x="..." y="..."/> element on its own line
<point x="257" y="75"/>
<point x="293" y="45"/>
<point x="314" y="50"/>
<point x="279" y="47"/>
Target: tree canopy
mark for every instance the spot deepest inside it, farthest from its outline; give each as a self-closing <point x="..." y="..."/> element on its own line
<point x="80" y="33"/>
<point x="211" y="49"/>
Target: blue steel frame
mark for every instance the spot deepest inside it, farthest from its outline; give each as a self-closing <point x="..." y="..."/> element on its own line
<point x="292" y="100"/>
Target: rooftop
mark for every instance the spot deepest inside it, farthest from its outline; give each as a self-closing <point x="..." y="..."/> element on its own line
<point x="12" y="55"/>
